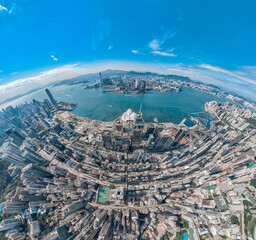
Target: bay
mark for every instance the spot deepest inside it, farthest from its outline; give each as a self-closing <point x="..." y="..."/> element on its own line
<point x="107" y="106"/>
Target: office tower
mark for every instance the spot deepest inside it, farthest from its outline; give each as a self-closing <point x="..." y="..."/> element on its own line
<point x="57" y="144"/>
<point x="36" y="103"/>
<point x="73" y="208"/>
<point x="47" y="105"/>
<point x="51" y="98"/>
<point x="14" y="207"/>
<point x="178" y="137"/>
<point x="107" y="139"/>
<point x="15" y="137"/>
<point x="59" y="171"/>
<point x="8" y="224"/>
<point x="33" y="183"/>
<point x="150" y="129"/>
<point x="100" y="78"/>
<point x="99" y="219"/>
<point x="34" y="229"/>
<point x="105" y="231"/>
<point x="57" y="129"/>
<point x="150" y="141"/>
<point x="107" y="81"/>
<point x="45" y="112"/>
<point x="125" y="142"/>
<point x="31" y="156"/>
<point x="13" y="159"/>
<point x="164" y="141"/>
<point x="10" y="153"/>
<point x="11" y="110"/>
<point x="137" y="84"/>
<point x="16" y="122"/>
<point x="36" y="171"/>
<point x="137" y="155"/>
<point x="143" y="86"/>
<point x="139" y="121"/>
<point x="31" y="197"/>
<point x="117" y="140"/>
<point x="20" y="156"/>
<point x="10" y="148"/>
<point x="136" y="136"/>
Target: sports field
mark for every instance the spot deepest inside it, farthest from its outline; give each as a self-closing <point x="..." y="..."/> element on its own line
<point x="104" y="194"/>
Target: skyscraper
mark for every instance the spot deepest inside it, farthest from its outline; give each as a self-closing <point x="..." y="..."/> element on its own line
<point x="137" y="84"/>
<point x="9" y="224"/>
<point x="36" y="171"/>
<point x="100" y="79"/>
<point x="12" y="207"/>
<point x="136" y="135"/>
<point x="180" y="134"/>
<point x="15" y="137"/>
<point x="11" y="153"/>
<point x="163" y="141"/>
<point x="51" y="98"/>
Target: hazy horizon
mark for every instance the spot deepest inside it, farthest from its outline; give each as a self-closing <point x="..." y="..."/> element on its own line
<point x="196" y="39"/>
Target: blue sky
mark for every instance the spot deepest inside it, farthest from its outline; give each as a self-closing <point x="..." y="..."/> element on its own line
<point x="201" y="39"/>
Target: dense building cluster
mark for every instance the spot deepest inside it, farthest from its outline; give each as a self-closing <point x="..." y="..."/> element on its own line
<point x="140" y="83"/>
<point x="127" y="179"/>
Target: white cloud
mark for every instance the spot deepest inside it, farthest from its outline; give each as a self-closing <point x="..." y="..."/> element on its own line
<point x="135" y="51"/>
<point x="157" y="43"/>
<point x="24" y="85"/>
<point x="47" y="78"/>
<point x="2" y="8"/>
<point x="250" y="78"/>
<point x="154" y="44"/>
<point x="110" y="47"/>
<point x="54" y="58"/>
<point x="162" y="53"/>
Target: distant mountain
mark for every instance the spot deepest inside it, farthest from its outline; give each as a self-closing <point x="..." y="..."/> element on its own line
<point x="176" y="77"/>
<point x="19" y="96"/>
<point x="90" y="77"/>
<point x="108" y="73"/>
<point x="80" y="79"/>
